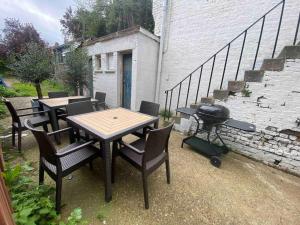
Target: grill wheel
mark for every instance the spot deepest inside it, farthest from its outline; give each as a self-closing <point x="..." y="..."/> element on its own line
<point x="215" y="161"/>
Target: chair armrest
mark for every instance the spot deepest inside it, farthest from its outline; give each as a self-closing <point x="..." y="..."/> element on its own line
<point x="150" y="128"/>
<point x="59" y="131"/>
<point x="61" y="154"/>
<point x="63" y="115"/>
<point x="34" y="107"/>
<point x="33" y="113"/>
<point x="132" y="148"/>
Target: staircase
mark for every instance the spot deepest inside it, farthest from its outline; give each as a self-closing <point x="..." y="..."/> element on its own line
<point x="268" y="96"/>
<point x="180" y="94"/>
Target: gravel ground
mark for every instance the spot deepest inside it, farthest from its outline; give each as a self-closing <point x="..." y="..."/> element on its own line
<point x="242" y="191"/>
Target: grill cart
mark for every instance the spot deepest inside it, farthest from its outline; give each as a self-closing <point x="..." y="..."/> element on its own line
<point x="214" y="117"/>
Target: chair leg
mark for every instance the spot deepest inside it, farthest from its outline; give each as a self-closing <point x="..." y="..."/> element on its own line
<point x="41" y="175"/>
<point x="145" y="187"/>
<point x="168" y="171"/>
<point x="91" y="165"/>
<point x="19" y="140"/>
<point x="45" y="128"/>
<point x="58" y="193"/>
<point x="13" y="138"/>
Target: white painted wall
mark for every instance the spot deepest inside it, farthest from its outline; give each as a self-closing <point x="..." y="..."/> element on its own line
<point x="198" y="28"/>
<point x="144" y="47"/>
<point x="277" y="110"/>
<point x="147" y="69"/>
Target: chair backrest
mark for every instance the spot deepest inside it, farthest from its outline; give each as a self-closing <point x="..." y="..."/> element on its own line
<point x="72" y="100"/>
<point x="156" y="143"/>
<point x="14" y="115"/>
<point x="149" y="108"/>
<point x="58" y="94"/>
<point x="46" y="147"/>
<point x="79" y="108"/>
<point x="100" y="96"/>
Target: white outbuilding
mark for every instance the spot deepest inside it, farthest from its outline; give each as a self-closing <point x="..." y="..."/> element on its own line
<point x="125" y="66"/>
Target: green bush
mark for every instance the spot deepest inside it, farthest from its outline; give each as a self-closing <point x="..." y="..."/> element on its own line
<point x="7" y="92"/>
<point x="2" y="110"/>
<point x="32" y="203"/>
<point x="166" y="113"/>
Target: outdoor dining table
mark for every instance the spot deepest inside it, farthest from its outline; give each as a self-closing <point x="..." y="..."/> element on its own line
<point x="52" y="104"/>
<point x="110" y="126"/>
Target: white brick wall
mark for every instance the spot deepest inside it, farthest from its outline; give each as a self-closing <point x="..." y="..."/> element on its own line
<point x="198" y="28"/>
<point x="277" y="110"/>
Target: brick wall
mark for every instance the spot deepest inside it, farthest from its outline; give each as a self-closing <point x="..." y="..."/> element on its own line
<point x="273" y="106"/>
<point x="197" y="29"/>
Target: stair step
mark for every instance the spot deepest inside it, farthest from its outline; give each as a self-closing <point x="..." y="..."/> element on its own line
<point x="290" y="52"/>
<point x="236" y="86"/>
<point x="194" y="105"/>
<point x="273" y="64"/>
<point x="221" y="94"/>
<point x="208" y="100"/>
<point x="254" y="75"/>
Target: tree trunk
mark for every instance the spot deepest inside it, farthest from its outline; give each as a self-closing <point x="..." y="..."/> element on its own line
<point x="80" y="89"/>
<point x="38" y="90"/>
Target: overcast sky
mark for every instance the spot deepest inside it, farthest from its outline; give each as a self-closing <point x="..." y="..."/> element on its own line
<point x="43" y="14"/>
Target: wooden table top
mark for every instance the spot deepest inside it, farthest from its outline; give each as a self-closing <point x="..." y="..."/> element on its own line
<point x="108" y="123"/>
<point x="60" y="102"/>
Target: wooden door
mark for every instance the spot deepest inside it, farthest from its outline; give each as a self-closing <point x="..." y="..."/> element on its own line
<point x="127" y="75"/>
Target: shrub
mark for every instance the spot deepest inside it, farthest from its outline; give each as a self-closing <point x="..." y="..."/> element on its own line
<point x="246" y="92"/>
<point x="2" y="110"/>
<point x="166" y="113"/>
<point x="7" y="92"/>
<point x="33" y="203"/>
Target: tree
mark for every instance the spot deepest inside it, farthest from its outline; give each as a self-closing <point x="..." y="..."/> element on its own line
<point x="34" y="65"/>
<point x="16" y="36"/>
<point x="77" y="70"/>
<point x="71" y="25"/>
<point x="105" y="16"/>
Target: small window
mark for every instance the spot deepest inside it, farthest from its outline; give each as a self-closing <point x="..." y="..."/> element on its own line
<point x="109" y="61"/>
<point x="98" y="62"/>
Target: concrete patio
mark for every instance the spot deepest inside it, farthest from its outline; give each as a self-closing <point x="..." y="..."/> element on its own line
<point x="242" y="191"/>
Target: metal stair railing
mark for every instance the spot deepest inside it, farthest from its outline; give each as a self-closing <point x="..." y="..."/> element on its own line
<point x="169" y="92"/>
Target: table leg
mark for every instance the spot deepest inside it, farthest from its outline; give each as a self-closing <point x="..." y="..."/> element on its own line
<point x="54" y="124"/>
<point x="107" y="162"/>
<point x="156" y="124"/>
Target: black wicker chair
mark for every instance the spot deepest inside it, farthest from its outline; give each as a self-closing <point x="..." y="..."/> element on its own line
<point x="72" y="100"/>
<point x="39" y="119"/>
<point x="149" y="108"/>
<point x="100" y="96"/>
<point x="57" y="94"/>
<point x="77" y="108"/>
<point x="146" y="155"/>
<point x="60" y="163"/>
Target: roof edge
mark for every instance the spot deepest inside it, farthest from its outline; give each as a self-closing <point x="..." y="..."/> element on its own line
<point x="123" y="33"/>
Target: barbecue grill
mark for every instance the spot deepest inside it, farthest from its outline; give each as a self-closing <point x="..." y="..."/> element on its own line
<point x="214" y="117"/>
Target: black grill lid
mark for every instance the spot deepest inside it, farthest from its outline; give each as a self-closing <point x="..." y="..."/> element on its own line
<point x="213" y="113"/>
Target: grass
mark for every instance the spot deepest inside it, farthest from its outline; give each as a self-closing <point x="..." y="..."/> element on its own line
<point x="27" y="89"/>
<point x="20" y="89"/>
